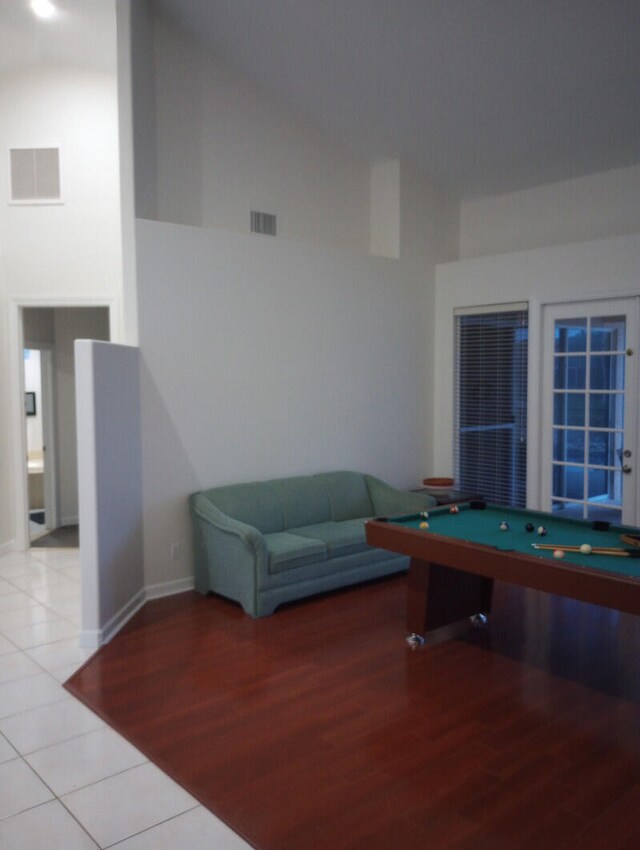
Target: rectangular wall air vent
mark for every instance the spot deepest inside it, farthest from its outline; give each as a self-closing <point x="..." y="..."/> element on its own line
<point x="35" y="175"/>
<point x="263" y="223"/>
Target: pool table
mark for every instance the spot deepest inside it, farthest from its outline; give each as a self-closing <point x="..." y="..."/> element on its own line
<point x="455" y="561"/>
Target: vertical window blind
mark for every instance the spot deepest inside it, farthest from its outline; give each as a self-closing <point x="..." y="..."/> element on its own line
<point x="490" y="430"/>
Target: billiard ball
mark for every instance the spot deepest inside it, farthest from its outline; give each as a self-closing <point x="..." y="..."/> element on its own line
<point x="424" y="525"/>
<point x="585" y="549"/>
<point x="504" y="526"/>
<point x="542" y="530"/>
<point x="558" y="553"/>
<point x="424" y="514"/>
<point x="454" y="509"/>
<point x="529" y="527"/>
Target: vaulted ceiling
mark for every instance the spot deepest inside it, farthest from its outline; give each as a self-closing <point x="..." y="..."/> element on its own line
<point x="486" y="96"/>
<point x="81" y="33"/>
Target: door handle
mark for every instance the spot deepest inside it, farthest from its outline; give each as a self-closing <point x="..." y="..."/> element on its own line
<point x="622" y="454"/>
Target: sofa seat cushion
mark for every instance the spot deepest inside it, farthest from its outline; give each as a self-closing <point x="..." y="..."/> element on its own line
<point x="341" y="538"/>
<point x="288" y="550"/>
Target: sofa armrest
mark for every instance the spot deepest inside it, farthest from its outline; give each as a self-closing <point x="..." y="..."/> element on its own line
<point x="387" y="501"/>
<point x="230" y="557"/>
<point x="202" y="508"/>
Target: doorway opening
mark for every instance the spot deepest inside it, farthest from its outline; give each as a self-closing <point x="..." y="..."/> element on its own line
<point x="41" y="511"/>
<point x="48" y="335"/>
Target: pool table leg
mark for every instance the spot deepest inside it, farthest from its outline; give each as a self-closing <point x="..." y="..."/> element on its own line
<point x="438" y="596"/>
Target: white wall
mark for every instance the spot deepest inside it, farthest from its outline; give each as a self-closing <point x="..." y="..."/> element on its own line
<point x="55" y="253"/>
<point x="267" y="357"/>
<point x="6" y="423"/>
<point x="73" y="247"/>
<point x="71" y="324"/>
<point x="429" y="222"/>
<point x="110" y="462"/>
<point x="33" y="383"/>
<point x="587" y="208"/>
<point x="128" y="43"/>
<point x="38" y="327"/>
<point x="385" y="202"/>
<point x="224" y="147"/>
<point x="137" y="69"/>
<point x="429" y="234"/>
<point x="602" y="268"/>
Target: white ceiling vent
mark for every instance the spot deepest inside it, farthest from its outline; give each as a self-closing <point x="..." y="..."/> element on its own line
<point x="35" y="175"/>
<point x="263" y="223"/>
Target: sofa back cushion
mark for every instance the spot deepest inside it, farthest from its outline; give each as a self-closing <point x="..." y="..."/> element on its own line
<point x="304" y="501"/>
<point x="285" y="503"/>
<point x="348" y="494"/>
<point x="258" y="504"/>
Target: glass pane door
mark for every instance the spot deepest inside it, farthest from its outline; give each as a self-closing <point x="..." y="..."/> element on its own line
<point x="589" y="437"/>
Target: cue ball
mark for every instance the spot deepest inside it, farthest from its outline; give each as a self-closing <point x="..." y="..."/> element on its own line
<point x="454" y="509"/>
<point x="424" y="525"/>
<point x="542" y="531"/>
<point x="558" y="553"/>
<point x="504" y="526"/>
<point x="529" y="527"/>
<point x="585" y="549"/>
<point x="424" y="514"/>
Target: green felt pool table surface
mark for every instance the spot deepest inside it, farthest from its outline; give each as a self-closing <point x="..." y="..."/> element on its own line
<point x="483" y="526"/>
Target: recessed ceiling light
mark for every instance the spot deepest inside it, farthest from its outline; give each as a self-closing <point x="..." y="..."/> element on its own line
<point x="43" y="8"/>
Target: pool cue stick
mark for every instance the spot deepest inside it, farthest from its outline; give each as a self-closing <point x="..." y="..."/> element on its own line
<point x="596" y="550"/>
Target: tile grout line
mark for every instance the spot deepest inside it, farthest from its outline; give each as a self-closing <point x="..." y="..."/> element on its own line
<point x="63" y="741"/>
<point x="38" y="777"/>
<point x="55" y="799"/>
<point x="44" y="704"/>
<point x="23" y="757"/>
<point x="153" y="826"/>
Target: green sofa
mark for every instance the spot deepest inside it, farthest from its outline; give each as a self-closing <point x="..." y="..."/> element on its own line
<point x="270" y="542"/>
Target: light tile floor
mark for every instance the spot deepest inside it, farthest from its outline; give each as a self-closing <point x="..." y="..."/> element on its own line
<point x="67" y="780"/>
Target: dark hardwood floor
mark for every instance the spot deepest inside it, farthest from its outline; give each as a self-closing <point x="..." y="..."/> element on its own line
<point x="319" y="728"/>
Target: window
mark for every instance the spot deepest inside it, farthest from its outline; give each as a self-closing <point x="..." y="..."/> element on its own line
<point x="490" y="430"/>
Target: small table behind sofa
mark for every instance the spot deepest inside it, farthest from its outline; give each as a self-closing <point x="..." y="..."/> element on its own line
<point x="268" y="542"/>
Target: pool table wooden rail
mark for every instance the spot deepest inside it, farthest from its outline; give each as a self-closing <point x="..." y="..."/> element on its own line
<point x="450" y="579"/>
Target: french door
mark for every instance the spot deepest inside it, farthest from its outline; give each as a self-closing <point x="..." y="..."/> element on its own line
<point x="589" y="410"/>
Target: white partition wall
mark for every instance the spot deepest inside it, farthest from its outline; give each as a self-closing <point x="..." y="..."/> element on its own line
<point x="110" y="487"/>
<point x="267" y="357"/>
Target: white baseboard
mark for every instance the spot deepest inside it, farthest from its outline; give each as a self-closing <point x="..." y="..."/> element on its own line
<point x="168" y="588"/>
<point x="90" y="638"/>
<point x="69" y="520"/>
<point x="95" y="638"/>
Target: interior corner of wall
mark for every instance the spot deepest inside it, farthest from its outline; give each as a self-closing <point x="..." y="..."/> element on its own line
<point x="384" y="209"/>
